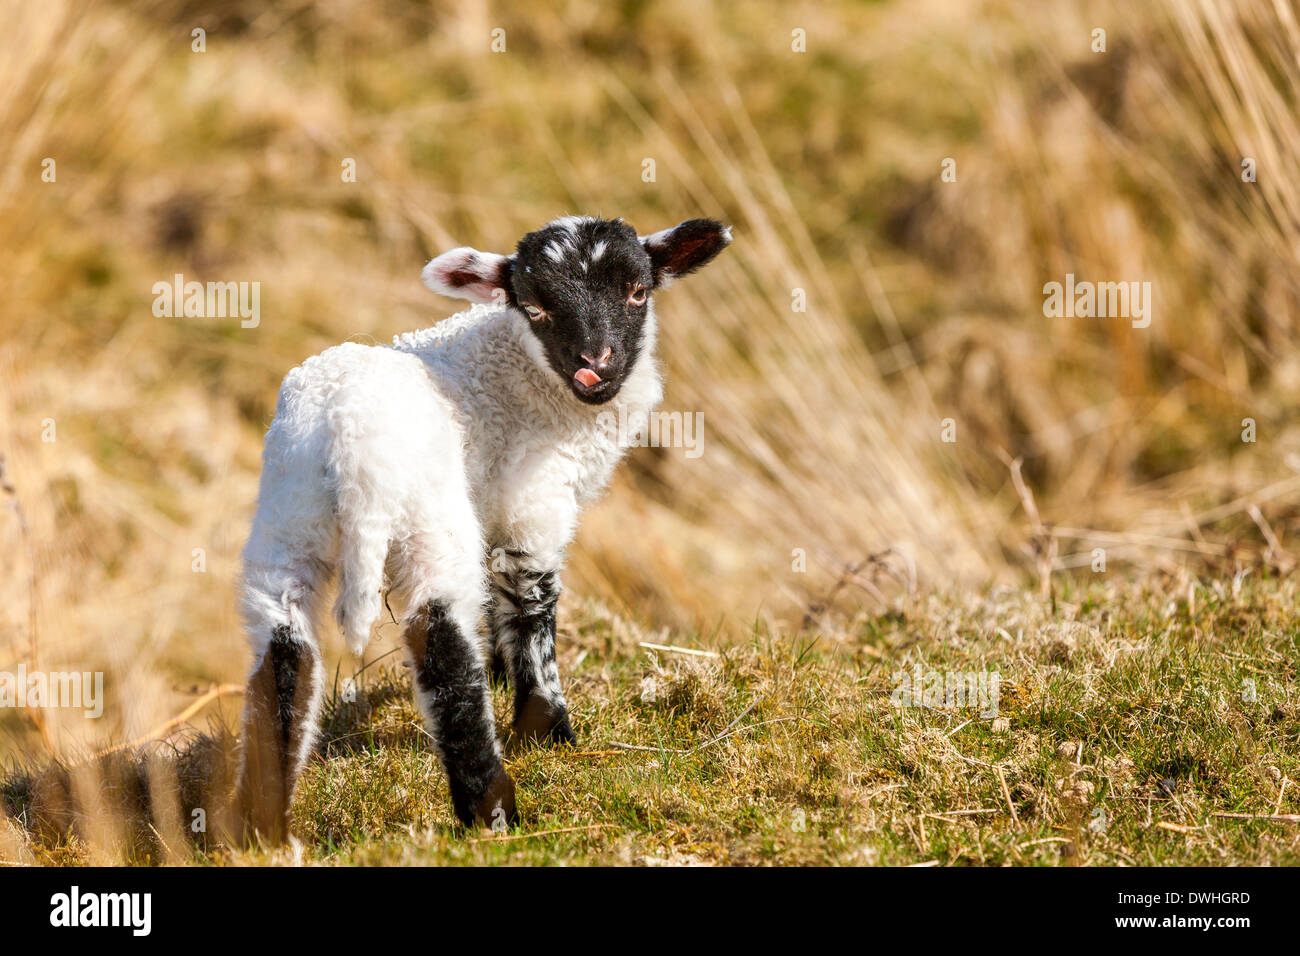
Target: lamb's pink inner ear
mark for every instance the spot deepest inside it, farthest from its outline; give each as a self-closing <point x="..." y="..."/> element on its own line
<point x="685" y="247"/>
<point x="466" y="273"/>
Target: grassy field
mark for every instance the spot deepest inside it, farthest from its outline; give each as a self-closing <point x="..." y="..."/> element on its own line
<point x="1129" y="725"/>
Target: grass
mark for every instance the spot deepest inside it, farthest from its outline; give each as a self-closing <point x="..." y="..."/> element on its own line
<point x="1124" y="723"/>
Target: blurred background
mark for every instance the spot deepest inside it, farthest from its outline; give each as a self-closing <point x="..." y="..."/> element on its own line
<point x="820" y="130"/>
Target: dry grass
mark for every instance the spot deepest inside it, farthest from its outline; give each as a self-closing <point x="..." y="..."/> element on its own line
<point x="1132" y="726"/>
<point x="821" y="427"/>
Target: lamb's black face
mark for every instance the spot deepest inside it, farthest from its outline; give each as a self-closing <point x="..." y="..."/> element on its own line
<point x="584" y="285"/>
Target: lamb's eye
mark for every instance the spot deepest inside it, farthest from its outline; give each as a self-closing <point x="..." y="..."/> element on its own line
<point x="534" y="313"/>
<point x="637" y="296"/>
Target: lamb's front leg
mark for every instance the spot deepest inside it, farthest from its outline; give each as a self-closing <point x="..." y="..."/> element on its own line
<point x="524" y="597"/>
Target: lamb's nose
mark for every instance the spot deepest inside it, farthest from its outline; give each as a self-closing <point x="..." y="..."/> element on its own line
<point x="601" y="361"/>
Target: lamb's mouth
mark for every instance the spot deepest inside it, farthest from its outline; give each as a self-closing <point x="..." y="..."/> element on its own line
<point x="591" y="388"/>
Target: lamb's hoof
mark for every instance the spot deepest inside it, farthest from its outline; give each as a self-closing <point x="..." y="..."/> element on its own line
<point x="562" y="733"/>
<point x="497" y="808"/>
<point x="266" y="835"/>
<point x="541" y="722"/>
<point x="259" y="819"/>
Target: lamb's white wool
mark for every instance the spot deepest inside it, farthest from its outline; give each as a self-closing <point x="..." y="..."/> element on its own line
<point x="373" y="453"/>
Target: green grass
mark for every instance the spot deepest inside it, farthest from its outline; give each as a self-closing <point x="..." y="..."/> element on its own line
<point x="1122" y="727"/>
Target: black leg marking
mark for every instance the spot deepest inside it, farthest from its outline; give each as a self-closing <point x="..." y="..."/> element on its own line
<point x="285" y="656"/>
<point x="455" y="685"/>
<point x="523" y="624"/>
<point x="280" y="698"/>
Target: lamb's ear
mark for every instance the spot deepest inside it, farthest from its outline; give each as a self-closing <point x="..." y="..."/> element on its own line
<point x="685" y="247"/>
<point x="466" y="273"/>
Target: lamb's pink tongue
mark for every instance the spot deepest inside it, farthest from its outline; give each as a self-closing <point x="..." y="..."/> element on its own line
<point x="586" y="377"/>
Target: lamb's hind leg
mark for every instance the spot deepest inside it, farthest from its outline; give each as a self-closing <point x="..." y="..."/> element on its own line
<point x="281" y="711"/>
<point x="524" y="598"/>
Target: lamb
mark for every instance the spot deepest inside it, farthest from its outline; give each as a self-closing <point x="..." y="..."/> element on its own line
<point x="452" y="468"/>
